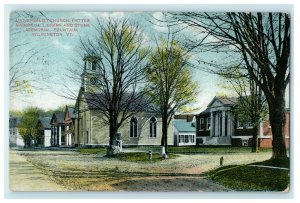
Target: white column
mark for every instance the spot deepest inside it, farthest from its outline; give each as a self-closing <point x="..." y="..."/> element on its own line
<point x="59" y="132"/>
<point x="217" y="124"/>
<point x="223" y="123"/>
<point x="229" y="123"/>
<point x="211" y="124"/>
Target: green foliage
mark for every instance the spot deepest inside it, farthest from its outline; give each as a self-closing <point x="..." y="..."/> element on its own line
<point x="168" y="78"/>
<point x="27" y="127"/>
<point x="22" y="86"/>
<point x="250" y="178"/>
<point x="141" y="157"/>
<point x="15" y="113"/>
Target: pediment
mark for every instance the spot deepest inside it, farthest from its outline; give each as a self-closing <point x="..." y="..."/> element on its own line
<point x="215" y="103"/>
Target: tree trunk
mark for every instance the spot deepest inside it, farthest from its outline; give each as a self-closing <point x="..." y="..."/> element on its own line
<point x="277" y="121"/>
<point x="164" y="139"/>
<point x="255" y="139"/>
<point x="112" y="131"/>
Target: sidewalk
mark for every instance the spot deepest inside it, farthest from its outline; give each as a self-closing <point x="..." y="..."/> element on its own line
<point x="25" y="177"/>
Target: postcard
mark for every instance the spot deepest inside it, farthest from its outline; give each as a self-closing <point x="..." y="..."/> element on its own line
<point x="149" y="101"/>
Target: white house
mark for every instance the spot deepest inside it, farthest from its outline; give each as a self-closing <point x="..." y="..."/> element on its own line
<point x="15" y="139"/>
<point x="184" y="132"/>
<point x="44" y="131"/>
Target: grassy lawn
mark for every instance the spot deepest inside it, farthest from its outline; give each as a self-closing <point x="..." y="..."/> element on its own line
<point x="141" y="157"/>
<point x="212" y="149"/>
<point x="250" y="178"/>
<point x="92" y="151"/>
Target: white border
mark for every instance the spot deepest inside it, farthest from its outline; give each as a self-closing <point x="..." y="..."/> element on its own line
<point x="225" y="197"/>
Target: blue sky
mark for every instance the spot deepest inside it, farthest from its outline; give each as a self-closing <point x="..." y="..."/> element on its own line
<point x="56" y="55"/>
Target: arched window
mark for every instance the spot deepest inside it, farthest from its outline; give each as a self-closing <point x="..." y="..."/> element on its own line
<point x="133" y="127"/>
<point x="153" y="127"/>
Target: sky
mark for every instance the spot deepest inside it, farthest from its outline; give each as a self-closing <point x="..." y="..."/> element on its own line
<point x="54" y="56"/>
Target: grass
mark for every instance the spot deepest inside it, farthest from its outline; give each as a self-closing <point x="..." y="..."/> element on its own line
<point x="212" y="149"/>
<point x="92" y="151"/>
<point x="284" y="163"/>
<point x="141" y="157"/>
<point x="249" y="178"/>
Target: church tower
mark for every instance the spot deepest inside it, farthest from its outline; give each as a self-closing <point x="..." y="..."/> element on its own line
<point x="90" y="75"/>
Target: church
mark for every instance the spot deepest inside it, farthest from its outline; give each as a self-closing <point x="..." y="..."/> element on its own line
<point x="143" y="128"/>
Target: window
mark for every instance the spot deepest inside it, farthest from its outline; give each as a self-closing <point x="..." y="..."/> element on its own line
<point x="181" y="138"/>
<point x="186" y="138"/>
<point x="201" y="123"/>
<point x="153" y="127"/>
<point x="133" y="127"/>
<point x="192" y="138"/>
<point x="208" y="123"/>
<point x="94" y="65"/>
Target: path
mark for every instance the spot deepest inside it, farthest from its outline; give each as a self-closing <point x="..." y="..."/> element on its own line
<point x="25" y="177"/>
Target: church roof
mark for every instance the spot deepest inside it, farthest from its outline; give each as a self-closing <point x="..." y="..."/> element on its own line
<point x="137" y="102"/>
<point x="184" y="126"/>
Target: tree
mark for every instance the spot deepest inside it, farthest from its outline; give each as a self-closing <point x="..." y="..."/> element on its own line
<point x="120" y="59"/>
<point x="260" y="37"/>
<point x="169" y="82"/>
<point x="28" y="124"/>
<point x="251" y="103"/>
<point x="25" y="55"/>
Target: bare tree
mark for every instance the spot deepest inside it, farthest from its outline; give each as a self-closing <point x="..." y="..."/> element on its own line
<point x="118" y="57"/>
<point x="24" y="55"/>
<point x="244" y="37"/>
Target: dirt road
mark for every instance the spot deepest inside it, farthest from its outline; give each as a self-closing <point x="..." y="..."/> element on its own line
<point x="23" y="176"/>
<point x="72" y="171"/>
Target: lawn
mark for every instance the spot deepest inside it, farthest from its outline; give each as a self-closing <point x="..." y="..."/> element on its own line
<point x="251" y="178"/>
<point x="141" y="157"/>
<point x="212" y="149"/>
<point x="92" y="151"/>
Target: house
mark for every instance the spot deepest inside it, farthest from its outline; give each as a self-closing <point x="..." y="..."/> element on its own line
<point x="142" y="128"/>
<point x="15" y="139"/>
<point x="69" y="123"/>
<point x="217" y="125"/>
<point x="44" y="132"/>
<point x="184" y="130"/>
<point x="57" y="129"/>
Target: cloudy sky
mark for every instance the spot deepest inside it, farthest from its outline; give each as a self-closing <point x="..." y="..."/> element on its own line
<point x="51" y="57"/>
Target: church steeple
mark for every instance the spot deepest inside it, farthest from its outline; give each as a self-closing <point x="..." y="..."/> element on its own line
<point x="90" y="75"/>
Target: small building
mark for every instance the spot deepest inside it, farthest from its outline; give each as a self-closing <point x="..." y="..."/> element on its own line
<point x="44" y="132"/>
<point x="15" y="139"/>
<point x="57" y="129"/>
<point x="184" y="132"/>
<point x="69" y="122"/>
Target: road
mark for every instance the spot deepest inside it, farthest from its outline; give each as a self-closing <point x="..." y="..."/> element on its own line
<point x="71" y="171"/>
<point x="23" y="176"/>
